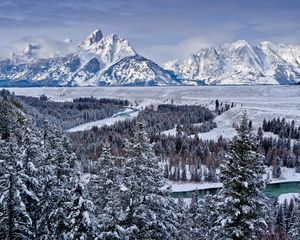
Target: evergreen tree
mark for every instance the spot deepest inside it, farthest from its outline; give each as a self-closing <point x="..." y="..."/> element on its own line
<point x="184" y="226"/>
<point x="289" y="214"/>
<point x="106" y="190"/>
<point x="18" y="185"/>
<point x="206" y="218"/>
<point x="33" y="159"/>
<point x="241" y="203"/>
<point x="57" y="173"/>
<point x="15" y="222"/>
<point x="62" y="160"/>
<point x="36" y="171"/>
<point x="4" y="118"/>
<point x="295" y="224"/>
<point x="193" y="213"/>
<point x="150" y="213"/>
<point x="217" y="104"/>
<point x="194" y="205"/>
<point x="45" y="228"/>
<point x="81" y="217"/>
<point x="280" y="218"/>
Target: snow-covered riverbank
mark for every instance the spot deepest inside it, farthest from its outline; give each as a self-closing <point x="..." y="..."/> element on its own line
<point x="288" y="175"/>
<point x="129" y="113"/>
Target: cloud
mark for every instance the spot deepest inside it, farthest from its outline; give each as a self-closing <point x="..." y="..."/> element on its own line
<point x="165" y="52"/>
<point x="162" y="53"/>
<point x="159" y="29"/>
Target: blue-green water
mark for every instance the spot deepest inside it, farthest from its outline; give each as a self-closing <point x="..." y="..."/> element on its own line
<point x="272" y="190"/>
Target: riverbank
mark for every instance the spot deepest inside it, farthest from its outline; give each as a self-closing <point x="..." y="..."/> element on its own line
<point x="288" y="175"/>
<point x="272" y="190"/>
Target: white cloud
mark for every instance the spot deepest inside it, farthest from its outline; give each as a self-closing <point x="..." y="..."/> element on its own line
<point x="162" y="53"/>
<point x="165" y="52"/>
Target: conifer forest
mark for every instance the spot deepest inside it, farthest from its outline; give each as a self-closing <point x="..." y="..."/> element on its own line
<point x="115" y="181"/>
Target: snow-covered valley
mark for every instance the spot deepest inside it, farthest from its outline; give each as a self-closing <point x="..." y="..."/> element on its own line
<point x="260" y="102"/>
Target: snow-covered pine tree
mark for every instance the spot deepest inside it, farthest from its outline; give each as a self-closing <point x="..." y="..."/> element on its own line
<point x="32" y="158"/>
<point x="194" y="205"/>
<point x="193" y="213"/>
<point x="206" y="218"/>
<point x="183" y="220"/>
<point x="241" y="204"/>
<point x="294" y="231"/>
<point x="45" y="228"/>
<point x="289" y="213"/>
<point x="57" y="181"/>
<point x="35" y="176"/>
<point x="15" y="221"/>
<point x="55" y="174"/>
<point x="4" y="117"/>
<point x="106" y="179"/>
<point x="106" y="191"/>
<point x="81" y="213"/>
<point x="151" y="214"/>
<point x="280" y="218"/>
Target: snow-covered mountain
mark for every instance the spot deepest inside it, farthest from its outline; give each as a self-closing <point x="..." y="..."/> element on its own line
<point x="98" y="61"/>
<point x="240" y="63"/>
<point x="110" y="60"/>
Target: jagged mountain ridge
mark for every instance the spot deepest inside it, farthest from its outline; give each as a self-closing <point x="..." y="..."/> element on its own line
<point x="240" y="63"/>
<point x="98" y="61"/>
<point x="110" y="60"/>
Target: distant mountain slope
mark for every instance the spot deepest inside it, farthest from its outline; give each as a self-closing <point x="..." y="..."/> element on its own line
<point x="241" y="63"/>
<point x="137" y="70"/>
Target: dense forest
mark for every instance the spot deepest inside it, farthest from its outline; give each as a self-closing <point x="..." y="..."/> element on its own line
<point x="186" y="157"/>
<point x="66" y="115"/>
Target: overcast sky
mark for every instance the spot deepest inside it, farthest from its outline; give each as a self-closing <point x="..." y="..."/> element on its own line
<point x="158" y="29"/>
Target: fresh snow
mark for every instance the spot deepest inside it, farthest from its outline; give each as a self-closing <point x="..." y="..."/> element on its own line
<point x="187" y="187"/>
<point x="111" y="60"/>
<point x="99" y="60"/>
<point x="288" y="175"/>
<point x="259" y="101"/>
<point x="129" y="113"/>
<point x="288" y="196"/>
<point x="241" y="63"/>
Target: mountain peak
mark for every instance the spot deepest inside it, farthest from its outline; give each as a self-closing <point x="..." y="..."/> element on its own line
<point x="240" y="62"/>
<point x="239" y="44"/>
<point x="93" y="38"/>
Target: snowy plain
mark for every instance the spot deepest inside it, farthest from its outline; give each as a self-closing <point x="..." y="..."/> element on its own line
<point x="259" y="101"/>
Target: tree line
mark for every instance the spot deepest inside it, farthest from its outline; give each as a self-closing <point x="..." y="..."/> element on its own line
<point x="66" y="115"/>
<point x="282" y="128"/>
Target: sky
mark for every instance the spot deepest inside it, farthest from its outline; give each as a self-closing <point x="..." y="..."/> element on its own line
<point x="161" y="30"/>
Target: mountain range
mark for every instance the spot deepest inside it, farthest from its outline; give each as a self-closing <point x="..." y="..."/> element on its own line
<point x="111" y="61"/>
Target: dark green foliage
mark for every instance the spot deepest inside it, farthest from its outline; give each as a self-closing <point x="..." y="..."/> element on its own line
<point x="282" y="128"/>
<point x="66" y="115"/>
